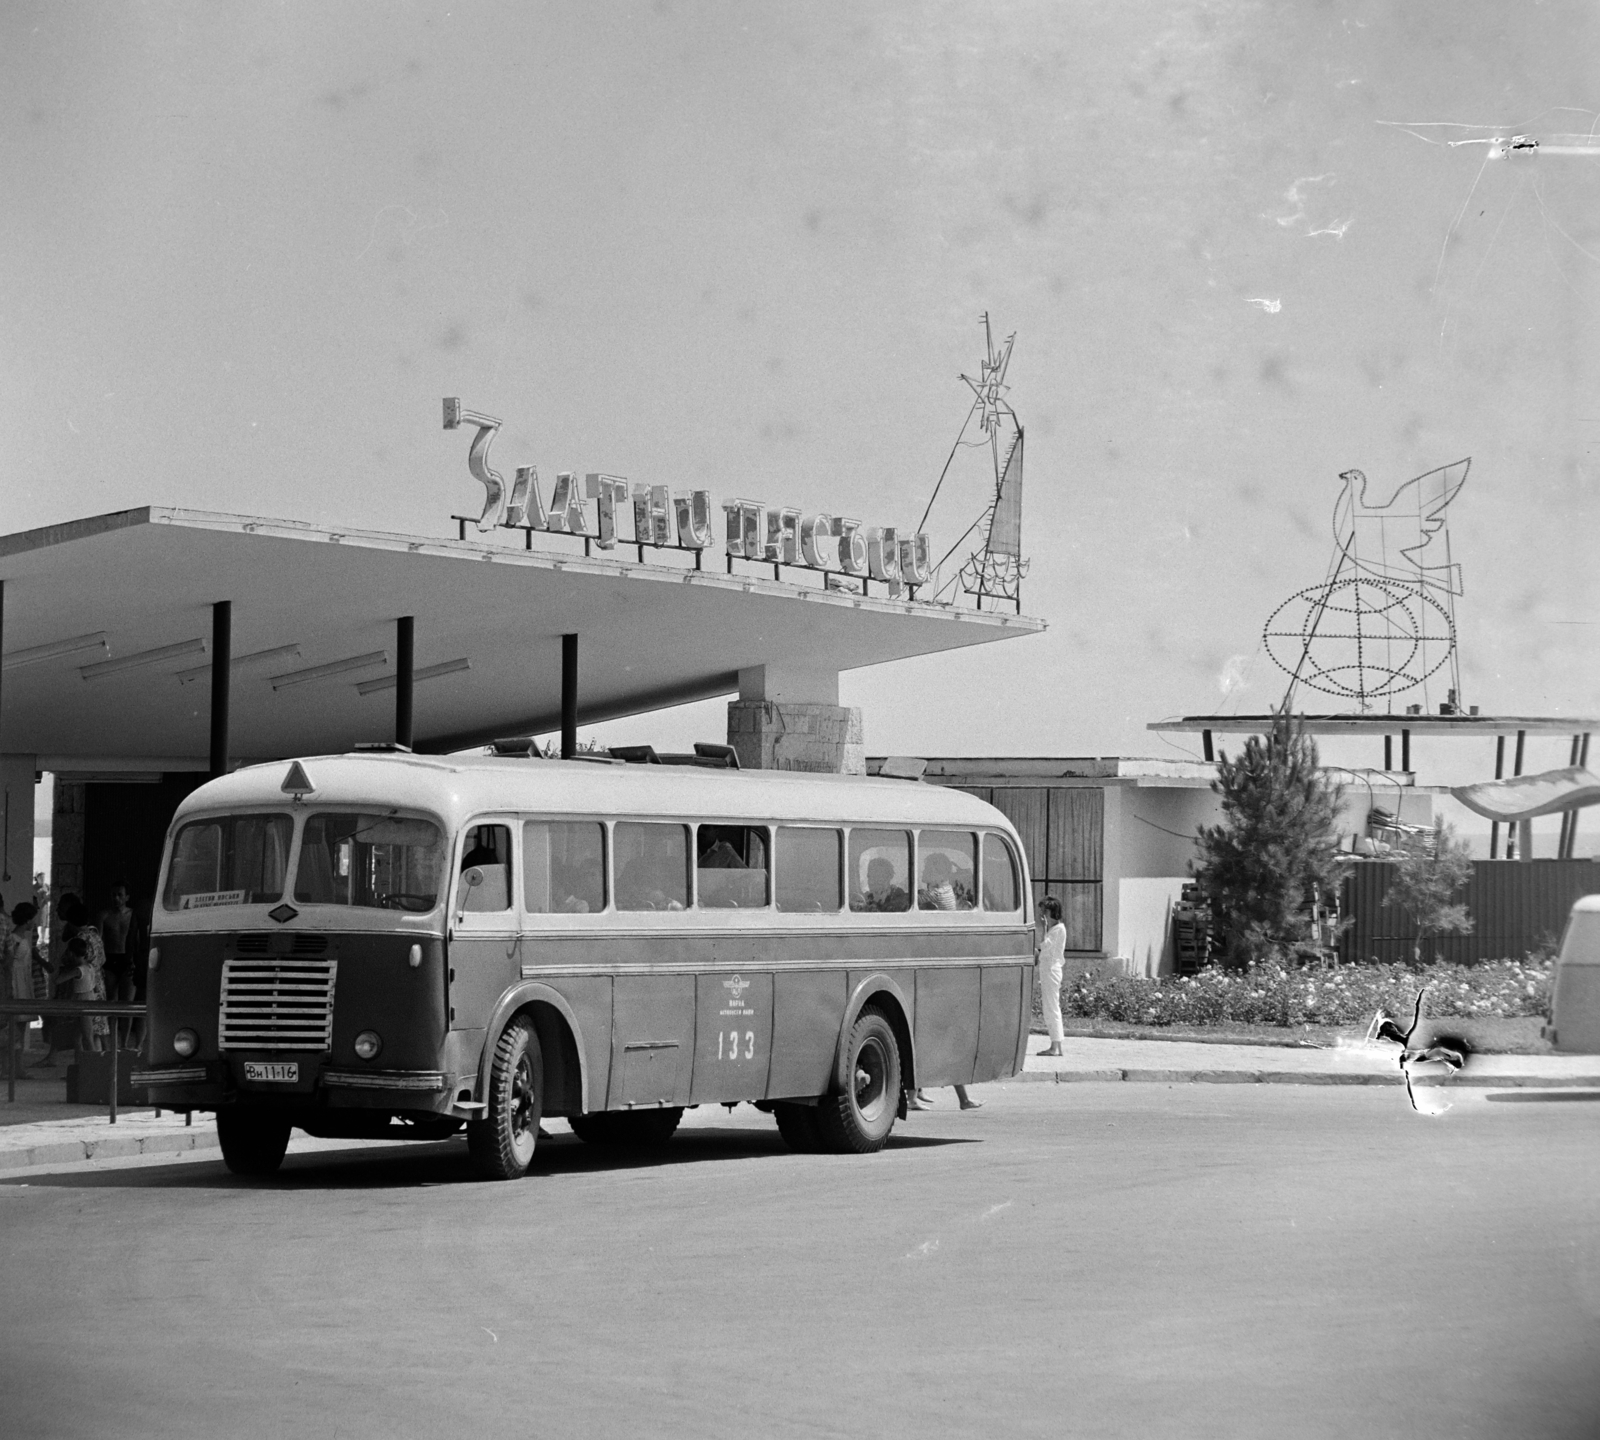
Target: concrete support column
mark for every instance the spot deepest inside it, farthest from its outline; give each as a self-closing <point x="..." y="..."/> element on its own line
<point x="569" y="696"/>
<point x="792" y="720"/>
<point x="221" y="683"/>
<point x="405" y="633"/>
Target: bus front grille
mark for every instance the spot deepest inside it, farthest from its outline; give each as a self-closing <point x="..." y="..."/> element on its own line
<point x="277" y="1004"/>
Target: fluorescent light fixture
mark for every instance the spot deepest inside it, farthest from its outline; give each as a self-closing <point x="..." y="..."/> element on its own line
<point x="333" y="667"/>
<point x="429" y="672"/>
<point x="259" y="657"/>
<point x="144" y="657"/>
<point x="55" y="649"/>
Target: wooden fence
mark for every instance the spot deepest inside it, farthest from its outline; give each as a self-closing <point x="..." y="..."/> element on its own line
<point x="1516" y="906"/>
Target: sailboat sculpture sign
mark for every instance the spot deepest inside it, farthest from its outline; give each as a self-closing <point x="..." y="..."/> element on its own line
<point x="752" y="529"/>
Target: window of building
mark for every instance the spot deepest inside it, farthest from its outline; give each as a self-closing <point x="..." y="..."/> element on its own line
<point x="1001" y="890"/>
<point x="563" y="867"/>
<point x="808" y="868"/>
<point x="948" y="860"/>
<point x="731" y="867"/>
<point x="880" y="870"/>
<point x="652" y="864"/>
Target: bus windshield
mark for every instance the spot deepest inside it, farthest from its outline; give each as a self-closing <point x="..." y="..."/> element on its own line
<point x="229" y="860"/>
<point x="379" y="862"/>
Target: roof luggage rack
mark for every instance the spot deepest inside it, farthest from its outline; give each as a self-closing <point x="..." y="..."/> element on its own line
<point x="706" y="756"/>
<point x="898" y="767"/>
<point x="524" y="745"/>
<point x="380" y="747"/>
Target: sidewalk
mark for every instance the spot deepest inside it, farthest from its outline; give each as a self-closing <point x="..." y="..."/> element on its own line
<point x="40" y="1128"/>
<point x="1356" y="1063"/>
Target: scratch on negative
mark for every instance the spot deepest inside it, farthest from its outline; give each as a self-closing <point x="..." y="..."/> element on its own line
<point x="925" y="1249"/>
<point x="994" y="1210"/>
<point x="490" y="1333"/>
<point x="1270" y="306"/>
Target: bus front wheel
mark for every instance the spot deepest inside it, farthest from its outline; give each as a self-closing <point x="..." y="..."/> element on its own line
<point x="501" y="1144"/>
<point x="859" y="1120"/>
<point x="252" y="1142"/>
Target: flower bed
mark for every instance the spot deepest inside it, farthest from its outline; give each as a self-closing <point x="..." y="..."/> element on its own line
<point x="1347" y="995"/>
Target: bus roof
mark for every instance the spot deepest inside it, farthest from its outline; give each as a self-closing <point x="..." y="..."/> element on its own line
<point x="459" y="787"/>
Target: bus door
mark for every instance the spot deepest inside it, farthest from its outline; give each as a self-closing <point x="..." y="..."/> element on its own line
<point x="484" y="933"/>
<point x="652" y="1032"/>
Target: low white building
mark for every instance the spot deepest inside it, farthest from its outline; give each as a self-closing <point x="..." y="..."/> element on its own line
<point x="1111" y="837"/>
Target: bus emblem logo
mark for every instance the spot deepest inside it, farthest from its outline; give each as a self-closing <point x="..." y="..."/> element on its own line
<point x="736" y="987"/>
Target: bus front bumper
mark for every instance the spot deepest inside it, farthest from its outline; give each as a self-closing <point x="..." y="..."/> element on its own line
<point x="207" y="1084"/>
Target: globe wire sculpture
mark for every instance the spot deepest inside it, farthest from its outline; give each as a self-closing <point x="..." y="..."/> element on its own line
<point x="1383" y="621"/>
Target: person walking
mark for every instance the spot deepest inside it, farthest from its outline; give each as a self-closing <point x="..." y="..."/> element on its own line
<point x="1052" y="959"/>
<point x="116" y="927"/>
<point x="921" y="1100"/>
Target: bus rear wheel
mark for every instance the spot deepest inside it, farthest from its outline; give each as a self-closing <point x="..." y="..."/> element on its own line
<point x="252" y="1142"/>
<point x="630" y="1129"/>
<point x="798" y="1126"/>
<point x="859" y="1120"/>
<point x="501" y="1144"/>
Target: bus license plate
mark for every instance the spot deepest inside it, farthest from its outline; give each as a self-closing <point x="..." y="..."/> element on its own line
<point x="288" y="1073"/>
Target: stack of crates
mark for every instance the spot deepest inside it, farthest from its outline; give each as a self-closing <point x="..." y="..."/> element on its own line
<point x="1191" y="931"/>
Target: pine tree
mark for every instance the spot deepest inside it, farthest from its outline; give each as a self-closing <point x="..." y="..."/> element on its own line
<point x="1275" y="850"/>
<point x="1423" y="886"/>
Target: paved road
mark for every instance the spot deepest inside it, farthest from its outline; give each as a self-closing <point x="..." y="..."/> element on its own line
<point x="1094" y="1260"/>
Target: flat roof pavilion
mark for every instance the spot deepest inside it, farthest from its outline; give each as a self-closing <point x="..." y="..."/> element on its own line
<point x="108" y="626"/>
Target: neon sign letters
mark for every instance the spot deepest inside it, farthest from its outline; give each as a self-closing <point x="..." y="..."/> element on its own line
<point x="752" y="530"/>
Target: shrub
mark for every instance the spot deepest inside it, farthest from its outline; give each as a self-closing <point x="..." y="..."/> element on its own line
<point x="1424" y="885"/>
<point x="1274" y="994"/>
<point x="1275" y="853"/>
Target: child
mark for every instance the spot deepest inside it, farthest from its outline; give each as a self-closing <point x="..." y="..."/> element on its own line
<point x="87" y="984"/>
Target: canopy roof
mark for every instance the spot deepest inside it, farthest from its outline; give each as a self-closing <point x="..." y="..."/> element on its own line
<point x="107" y="621"/>
<point x="1375" y="724"/>
<point x="1526" y="797"/>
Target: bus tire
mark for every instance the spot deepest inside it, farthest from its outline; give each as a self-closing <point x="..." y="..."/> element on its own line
<point x="252" y="1142"/>
<point x="798" y="1126"/>
<point x="627" y="1129"/>
<point x="501" y="1145"/>
<point x="859" y="1121"/>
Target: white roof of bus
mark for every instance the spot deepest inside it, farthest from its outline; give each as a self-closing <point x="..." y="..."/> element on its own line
<point x="456" y="788"/>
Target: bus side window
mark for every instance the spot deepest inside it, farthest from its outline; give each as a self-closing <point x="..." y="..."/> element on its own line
<point x="1000" y="888"/>
<point x="563" y="867"/>
<point x="807" y="869"/>
<point x="652" y="866"/>
<point x="949" y="860"/>
<point x="731" y="867"/>
<point x="880" y="870"/>
<point x="485" y="882"/>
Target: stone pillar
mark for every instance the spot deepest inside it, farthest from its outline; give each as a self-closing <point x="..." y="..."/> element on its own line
<point x="16" y="821"/>
<point x="66" y="839"/>
<point x="792" y="720"/>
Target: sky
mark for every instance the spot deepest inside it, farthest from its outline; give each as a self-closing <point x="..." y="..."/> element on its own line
<point x="245" y="249"/>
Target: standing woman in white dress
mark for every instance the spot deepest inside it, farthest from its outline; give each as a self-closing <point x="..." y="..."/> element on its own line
<point x="1052" y="958"/>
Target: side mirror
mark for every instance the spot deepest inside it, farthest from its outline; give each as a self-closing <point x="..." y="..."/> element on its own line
<point x="472" y="878"/>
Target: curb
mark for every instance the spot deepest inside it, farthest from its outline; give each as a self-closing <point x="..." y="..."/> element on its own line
<point x="70" y="1152"/>
<point x="1304" y="1077"/>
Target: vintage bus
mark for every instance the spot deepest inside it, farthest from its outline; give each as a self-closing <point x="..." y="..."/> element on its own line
<point x="387" y="944"/>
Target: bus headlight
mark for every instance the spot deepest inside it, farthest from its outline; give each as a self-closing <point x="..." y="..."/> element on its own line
<point x="186" y="1042"/>
<point x="368" y="1043"/>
